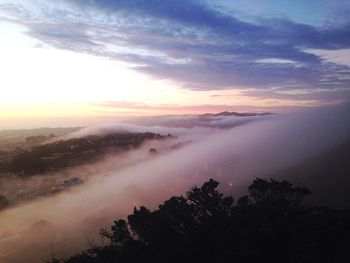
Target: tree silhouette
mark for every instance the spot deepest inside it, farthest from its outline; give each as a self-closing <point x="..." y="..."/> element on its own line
<point x="275" y="193"/>
<point x="269" y="225"/>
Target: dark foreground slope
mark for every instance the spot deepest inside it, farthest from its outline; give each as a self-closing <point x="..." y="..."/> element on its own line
<point x="269" y="225"/>
<point x="326" y="175"/>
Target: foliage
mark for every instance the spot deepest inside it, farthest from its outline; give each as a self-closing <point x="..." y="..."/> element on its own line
<point x="269" y="225"/>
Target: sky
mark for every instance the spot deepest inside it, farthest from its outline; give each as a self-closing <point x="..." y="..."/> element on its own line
<point x="98" y="59"/>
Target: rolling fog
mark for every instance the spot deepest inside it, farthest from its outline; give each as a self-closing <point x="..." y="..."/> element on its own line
<point x="232" y="151"/>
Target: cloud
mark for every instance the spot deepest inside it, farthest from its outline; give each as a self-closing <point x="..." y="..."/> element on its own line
<point x="184" y="109"/>
<point x="111" y="107"/>
<point x="340" y="56"/>
<point x="198" y="46"/>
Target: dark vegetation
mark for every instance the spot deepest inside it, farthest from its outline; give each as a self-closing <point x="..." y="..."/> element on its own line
<point x="62" y="154"/>
<point x="271" y="224"/>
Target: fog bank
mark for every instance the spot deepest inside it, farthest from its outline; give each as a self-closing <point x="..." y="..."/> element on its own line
<point x="234" y="156"/>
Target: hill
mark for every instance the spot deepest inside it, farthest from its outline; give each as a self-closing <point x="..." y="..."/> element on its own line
<point x="26" y="138"/>
<point x="67" y="153"/>
<point x="327" y="175"/>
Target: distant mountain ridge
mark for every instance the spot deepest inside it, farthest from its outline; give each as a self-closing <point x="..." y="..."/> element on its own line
<point x="237" y="114"/>
<point x="221" y="120"/>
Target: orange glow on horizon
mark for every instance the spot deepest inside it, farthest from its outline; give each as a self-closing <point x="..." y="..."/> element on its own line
<point x="42" y="82"/>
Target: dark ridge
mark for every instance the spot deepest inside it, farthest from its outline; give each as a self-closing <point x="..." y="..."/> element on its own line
<point x="327" y="175"/>
<point x="73" y="152"/>
<point x="237" y="114"/>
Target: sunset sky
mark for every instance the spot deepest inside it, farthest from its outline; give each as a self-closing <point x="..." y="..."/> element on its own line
<point x="79" y="59"/>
